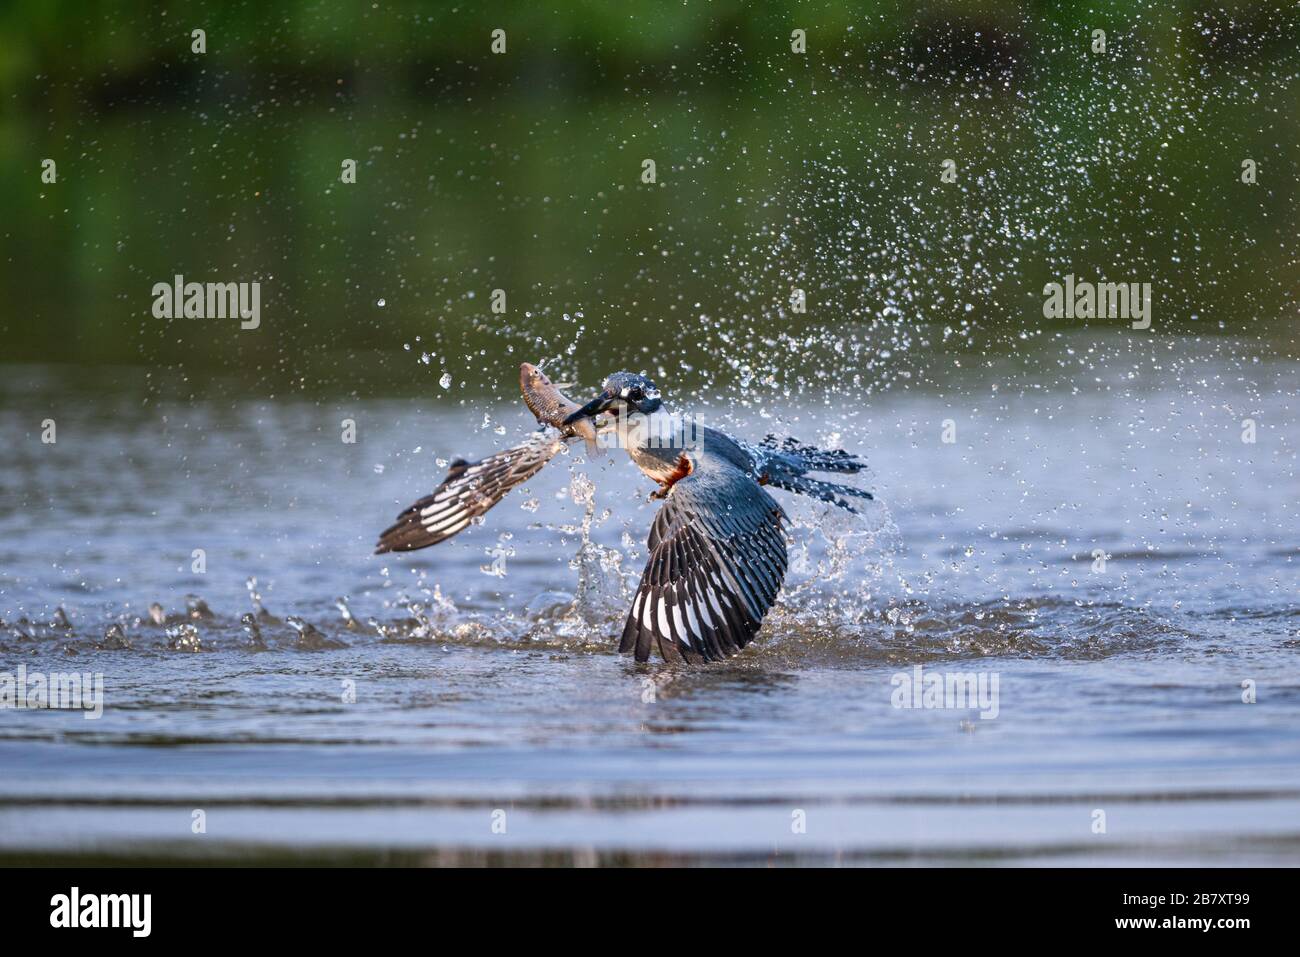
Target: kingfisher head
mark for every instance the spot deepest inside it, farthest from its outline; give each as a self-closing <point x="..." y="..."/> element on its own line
<point x="623" y="390"/>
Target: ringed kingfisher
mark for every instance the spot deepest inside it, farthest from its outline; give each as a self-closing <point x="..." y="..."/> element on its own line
<point x="717" y="547"/>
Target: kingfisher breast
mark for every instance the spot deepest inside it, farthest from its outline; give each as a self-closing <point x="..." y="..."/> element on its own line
<point x="665" y="466"/>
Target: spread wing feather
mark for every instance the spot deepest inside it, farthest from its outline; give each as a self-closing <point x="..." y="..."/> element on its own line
<point x="717" y="561"/>
<point x="468" y="491"/>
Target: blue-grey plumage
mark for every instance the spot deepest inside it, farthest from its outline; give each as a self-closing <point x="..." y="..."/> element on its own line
<point x="717" y="547"/>
<point x="468" y="492"/>
<point x="717" y="561"/>
<point x="470" y="489"/>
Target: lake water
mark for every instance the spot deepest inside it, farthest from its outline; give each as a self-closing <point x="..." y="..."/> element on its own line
<point x="1097" y="536"/>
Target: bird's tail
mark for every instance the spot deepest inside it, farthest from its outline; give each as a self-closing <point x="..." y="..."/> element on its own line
<point x="812" y="459"/>
<point x="826" y="491"/>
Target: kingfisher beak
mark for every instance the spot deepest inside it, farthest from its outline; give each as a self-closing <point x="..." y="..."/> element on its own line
<point x="593" y="408"/>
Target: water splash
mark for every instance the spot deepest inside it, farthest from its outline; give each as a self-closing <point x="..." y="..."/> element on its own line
<point x="184" y="638"/>
<point x="254" y="631"/>
<point x="115" y="639"/>
<point x="349" y="620"/>
<point x="197" y="609"/>
<point x="310" y="638"/>
<point x="256" y="598"/>
<point x="601" y="590"/>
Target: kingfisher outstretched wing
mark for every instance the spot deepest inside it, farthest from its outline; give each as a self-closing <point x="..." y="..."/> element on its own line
<point x="468" y="491"/>
<point x="717" y="561"/>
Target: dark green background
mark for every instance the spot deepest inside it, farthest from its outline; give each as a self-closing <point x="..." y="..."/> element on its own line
<point x="522" y="172"/>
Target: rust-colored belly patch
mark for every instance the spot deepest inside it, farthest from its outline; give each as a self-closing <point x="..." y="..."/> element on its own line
<point x="681" y="468"/>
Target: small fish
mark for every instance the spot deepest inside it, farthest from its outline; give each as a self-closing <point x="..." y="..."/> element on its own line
<point x="552" y="407"/>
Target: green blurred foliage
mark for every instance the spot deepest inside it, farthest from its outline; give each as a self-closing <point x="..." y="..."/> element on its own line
<point x="521" y="172"/>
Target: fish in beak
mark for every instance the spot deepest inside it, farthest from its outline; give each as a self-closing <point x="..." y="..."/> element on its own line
<point x="551" y="406"/>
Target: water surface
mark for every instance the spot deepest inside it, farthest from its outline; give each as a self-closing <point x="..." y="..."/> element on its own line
<point x="1120" y="684"/>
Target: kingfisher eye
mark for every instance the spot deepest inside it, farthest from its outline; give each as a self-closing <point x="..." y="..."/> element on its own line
<point x="635" y="394"/>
